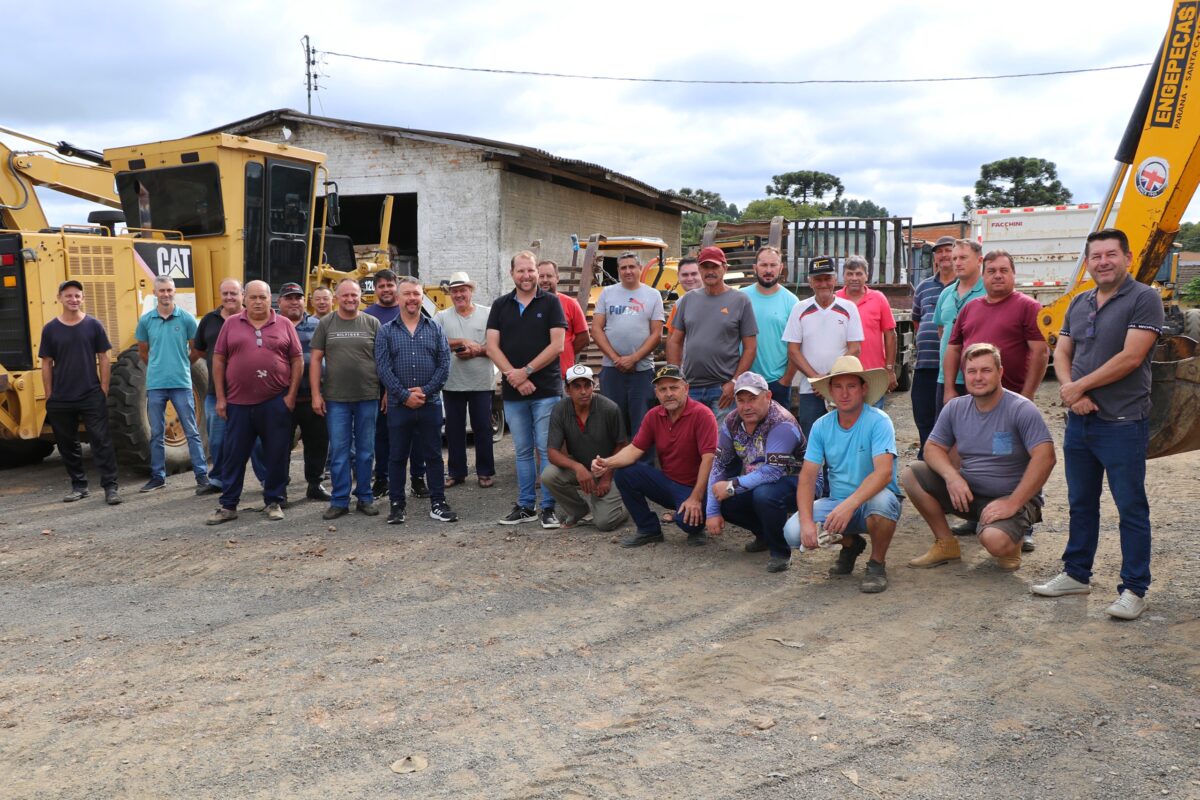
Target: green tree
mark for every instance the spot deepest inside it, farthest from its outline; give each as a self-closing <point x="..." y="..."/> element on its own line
<point x="779" y="207"/>
<point x="805" y="185"/>
<point x="1189" y="236"/>
<point x="856" y="208"/>
<point x="1017" y="181"/>
<point x="692" y="226"/>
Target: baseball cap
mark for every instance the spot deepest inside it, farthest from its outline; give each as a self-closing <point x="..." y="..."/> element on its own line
<point x="821" y="265"/>
<point x="943" y="241"/>
<point x="750" y="382"/>
<point x="579" y="372"/>
<point x="713" y="254"/>
<point x="669" y="371"/>
<point x="290" y="288"/>
<point x="70" y="283"/>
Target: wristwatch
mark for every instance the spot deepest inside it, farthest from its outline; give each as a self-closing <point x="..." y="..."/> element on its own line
<point x="528" y="369"/>
<point x="732" y="487"/>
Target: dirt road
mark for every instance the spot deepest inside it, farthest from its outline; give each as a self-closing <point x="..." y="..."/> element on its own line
<point x="143" y="654"/>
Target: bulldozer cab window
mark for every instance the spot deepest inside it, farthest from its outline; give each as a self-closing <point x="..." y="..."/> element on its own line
<point x="255" y="184"/>
<point x="185" y="199"/>
<point x="289" y="206"/>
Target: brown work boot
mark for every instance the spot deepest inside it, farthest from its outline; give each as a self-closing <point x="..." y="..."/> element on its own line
<point x="943" y="552"/>
<point x="1009" y="563"/>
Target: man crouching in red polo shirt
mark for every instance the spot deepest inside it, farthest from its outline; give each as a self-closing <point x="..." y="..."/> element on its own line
<point x="684" y="432"/>
<point x="257" y="365"/>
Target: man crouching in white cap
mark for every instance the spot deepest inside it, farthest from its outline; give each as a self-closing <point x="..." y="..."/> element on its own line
<point x="584" y="425"/>
<point x="857" y="444"/>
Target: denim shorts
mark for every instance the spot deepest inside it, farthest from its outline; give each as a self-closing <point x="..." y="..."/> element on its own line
<point x="885" y="504"/>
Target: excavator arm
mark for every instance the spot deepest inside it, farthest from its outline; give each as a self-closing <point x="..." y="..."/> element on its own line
<point x="21" y="171"/>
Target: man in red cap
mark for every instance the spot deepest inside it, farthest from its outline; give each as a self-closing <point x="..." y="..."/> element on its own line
<point x="709" y="329"/>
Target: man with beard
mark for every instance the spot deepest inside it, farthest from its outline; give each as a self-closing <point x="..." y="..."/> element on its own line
<point x="577" y="337"/>
<point x="925" y="371"/>
<point x="257" y="365"/>
<point x="525" y="333"/>
<point x="967" y="286"/>
<point x="627" y="324"/>
<point x="987" y="459"/>
<point x="820" y="330"/>
<point x="879" y="326"/>
<point x="385" y="309"/>
<point x="772" y="306"/>
<point x="313" y="433"/>
<point x="712" y="326"/>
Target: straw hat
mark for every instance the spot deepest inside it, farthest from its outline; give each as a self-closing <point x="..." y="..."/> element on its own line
<point x="877" y="379"/>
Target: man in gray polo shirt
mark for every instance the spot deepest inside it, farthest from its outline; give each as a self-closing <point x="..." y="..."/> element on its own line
<point x="1005" y="455"/>
<point x="1102" y="361"/>
<point x="584" y="425"/>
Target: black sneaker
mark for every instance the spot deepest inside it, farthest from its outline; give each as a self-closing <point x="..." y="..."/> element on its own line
<point x="318" y="492"/>
<point x="550" y="519"/>
<point x="152" y="484"/>
<point x="111" y="497"/>
<point x="207" y="488"/>
<point x="697" y="539"/>
<point x="442" y="513"/>
<point x="637" y="539"/>
<point x="777" y="564"/>
<point x="518" y="515"/>
<point x="419" y="489"/>
<point x="876" y="579"/>
<point x="379" y="488"/>
<point x="756" y="546"/>
<point x="965" y="528"/>
<point x="852" y="547"/>
<point x="1027" y="545"/>
<point x="396" y="517"/>
<point x="75" y="495"/>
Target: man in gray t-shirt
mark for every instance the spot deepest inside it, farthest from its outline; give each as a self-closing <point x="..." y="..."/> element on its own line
<point x="1004" y="456"/>
<point x="709" y="328"/>
<point x="627" y="326"/>
<point x="471" y="387"/>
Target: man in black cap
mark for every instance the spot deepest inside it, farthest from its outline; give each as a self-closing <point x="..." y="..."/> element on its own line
<point x="75" y="371"/>
<point x="925" y="373"/>
<point x="820" y="330"/>
<point x="314" y="434"/>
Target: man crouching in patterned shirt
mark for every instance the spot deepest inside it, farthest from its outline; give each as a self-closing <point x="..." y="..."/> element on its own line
<point x="753" y="479"/>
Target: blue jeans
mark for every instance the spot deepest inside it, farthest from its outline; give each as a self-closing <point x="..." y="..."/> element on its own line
<point x="216" y="437"/>
<point x="633" y="392"/>
<point x="269" y="421"/>
<point x="185" y="409"/>
<point x="709" y="395"/>
<point x="763" y="511"/>
<point x="479" y="406"/>
<point x="810" y="408"/>
<point x="529" y="422"/>
<point x="781" y="394"/>
<point x="640" y="482"/>
<point x="1093" y="447"/>
<point x="416" y="432"/>
<point x="351" y="429"/>
<point x="885" y="504"/>
<point x="924" y="403"/>
<point x="383" y="451"/>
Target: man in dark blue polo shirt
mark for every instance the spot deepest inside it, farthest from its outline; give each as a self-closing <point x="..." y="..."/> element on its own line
<point x="525" y="333"/>
<point x="1102" y="360"/>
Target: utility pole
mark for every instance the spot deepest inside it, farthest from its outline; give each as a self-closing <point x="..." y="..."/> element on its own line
<point x="310" y="61"/>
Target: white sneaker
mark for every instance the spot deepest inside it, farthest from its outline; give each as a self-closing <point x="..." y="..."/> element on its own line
<point x="1061" y="584"/>
<point x="1128" y="606"/>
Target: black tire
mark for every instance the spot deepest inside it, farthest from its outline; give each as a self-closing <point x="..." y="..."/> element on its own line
<point x="129" y="423"/>
<point x="497" y="418"/>
<point x="23" y="452"/>
<point x="904" y="379"/>
<point x="1191" y="324"/>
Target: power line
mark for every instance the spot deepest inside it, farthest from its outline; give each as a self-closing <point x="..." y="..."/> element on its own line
<point x="809" y="82"/>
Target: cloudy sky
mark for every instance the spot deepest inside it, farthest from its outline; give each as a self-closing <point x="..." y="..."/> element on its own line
<point x="169" y="69"/>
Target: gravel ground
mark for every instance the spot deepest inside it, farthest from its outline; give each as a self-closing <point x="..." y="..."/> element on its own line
<point x="146" y="655"/>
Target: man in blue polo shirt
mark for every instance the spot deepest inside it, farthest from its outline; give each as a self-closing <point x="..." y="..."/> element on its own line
<point x="525" y="333"/>
<point x="164" y="337"/>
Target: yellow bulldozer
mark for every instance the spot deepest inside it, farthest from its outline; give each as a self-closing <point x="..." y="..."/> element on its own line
<point x="199" y="209"/>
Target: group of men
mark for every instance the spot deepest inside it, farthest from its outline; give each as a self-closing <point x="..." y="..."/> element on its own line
<point x="710" y="436"/>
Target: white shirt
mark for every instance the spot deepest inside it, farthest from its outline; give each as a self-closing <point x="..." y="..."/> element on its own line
<point x="822" y="333"/>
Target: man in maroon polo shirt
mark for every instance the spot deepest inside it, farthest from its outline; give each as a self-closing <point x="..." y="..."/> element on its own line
<point x="684" y="433"/>
<point x="257" y="366"/>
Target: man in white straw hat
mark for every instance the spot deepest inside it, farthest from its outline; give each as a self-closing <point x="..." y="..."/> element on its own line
<point x="471" y="385"/>
<point x="856" y="443"/>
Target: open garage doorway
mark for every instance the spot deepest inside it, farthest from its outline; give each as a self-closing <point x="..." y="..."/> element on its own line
<point x="361" y="223"/>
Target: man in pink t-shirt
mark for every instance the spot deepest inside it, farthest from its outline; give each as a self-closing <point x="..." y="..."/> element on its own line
<point x="577" y="337"/>
<point x="257" y="366"/>
<point x="878" y="324"/>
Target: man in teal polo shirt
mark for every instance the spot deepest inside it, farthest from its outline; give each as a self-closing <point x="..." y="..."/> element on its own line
<point x="164" y="336"/>
<point x="772" y="304"/>
<point x="967" y="257"/>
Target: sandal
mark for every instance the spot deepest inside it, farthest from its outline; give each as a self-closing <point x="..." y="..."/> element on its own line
<point x="486" y="481"/>
<point x="454" y="481"/>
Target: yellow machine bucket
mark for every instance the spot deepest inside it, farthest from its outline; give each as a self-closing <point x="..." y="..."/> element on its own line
<point x="1175" y="397"/>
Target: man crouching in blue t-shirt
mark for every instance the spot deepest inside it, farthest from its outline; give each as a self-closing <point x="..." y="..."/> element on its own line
<point x="857" y="445"/>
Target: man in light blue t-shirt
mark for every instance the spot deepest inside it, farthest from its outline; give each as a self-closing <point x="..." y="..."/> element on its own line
<point x="856" y="443"/>
<point x="164" y="335"/>
<point x="772" y="305"/>
<point x="967" y="257"/>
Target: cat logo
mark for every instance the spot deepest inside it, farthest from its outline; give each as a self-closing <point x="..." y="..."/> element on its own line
<point x="160" y="259"/>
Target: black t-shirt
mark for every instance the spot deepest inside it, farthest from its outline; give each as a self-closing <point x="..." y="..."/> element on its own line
<point x="74" y="349"/>
<point x="525" y="334"/>
<point x="206" y="339"/>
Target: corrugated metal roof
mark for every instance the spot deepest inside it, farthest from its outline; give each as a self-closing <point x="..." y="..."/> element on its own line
<point x="530" y="157"/>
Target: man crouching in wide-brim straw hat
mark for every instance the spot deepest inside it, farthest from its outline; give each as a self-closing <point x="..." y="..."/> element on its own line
<point x="857" y="445"/>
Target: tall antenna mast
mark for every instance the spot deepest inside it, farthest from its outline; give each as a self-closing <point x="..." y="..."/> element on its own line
<point x="310" y="61"/>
